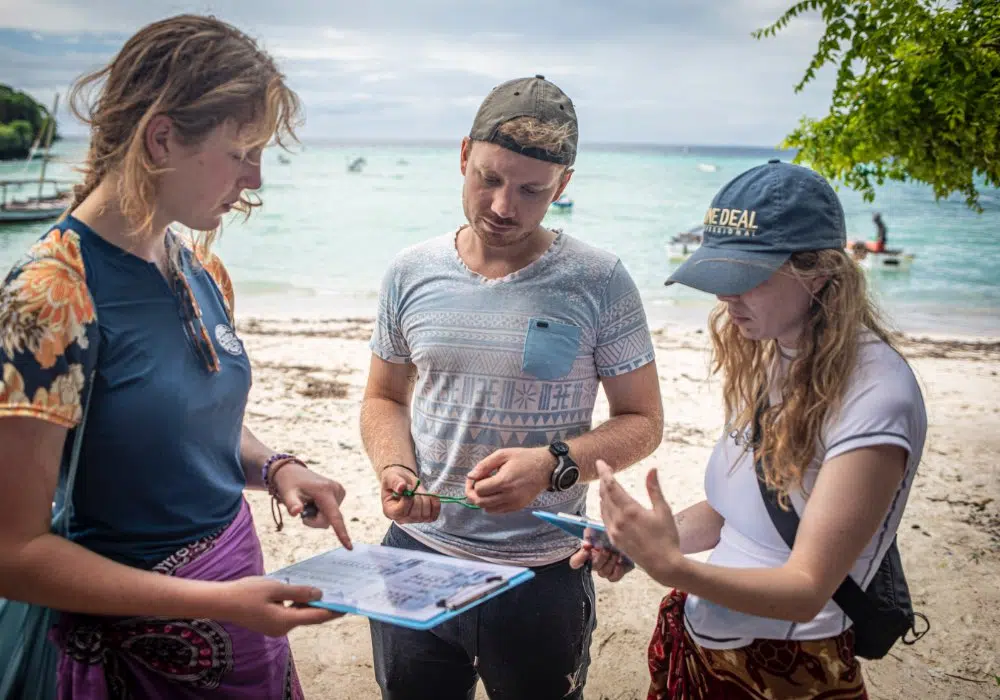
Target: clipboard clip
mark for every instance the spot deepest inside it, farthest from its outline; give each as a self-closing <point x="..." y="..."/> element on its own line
<point x="473" y="593"/>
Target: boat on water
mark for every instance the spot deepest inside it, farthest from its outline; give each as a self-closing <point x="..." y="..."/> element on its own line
<point x="563" y="204"/>
<point x="40" y="207"/>
<point x="897" y="260"/>
<point x="680" y="246"/>
<point x="43" y="205"/>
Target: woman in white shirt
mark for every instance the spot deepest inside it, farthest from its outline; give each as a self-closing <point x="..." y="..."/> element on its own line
<point x="799" y="344"/>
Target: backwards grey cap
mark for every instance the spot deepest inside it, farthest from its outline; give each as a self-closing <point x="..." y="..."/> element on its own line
<point x="756" y="222"/>
<point x="526" y="97"/>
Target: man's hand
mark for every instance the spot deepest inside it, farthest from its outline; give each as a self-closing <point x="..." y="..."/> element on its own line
<point x="510" y="479"/>
<point x="604" y="562"/>
<point x="297" y="486"/>
<point x="406" y="509"/>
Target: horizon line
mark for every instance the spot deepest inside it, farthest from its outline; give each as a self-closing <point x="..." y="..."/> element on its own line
<point x="442" y="141"/>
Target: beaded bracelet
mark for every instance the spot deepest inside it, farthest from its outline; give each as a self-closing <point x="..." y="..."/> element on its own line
<point x="266" y="469"/>
<point x="270" y="469"/>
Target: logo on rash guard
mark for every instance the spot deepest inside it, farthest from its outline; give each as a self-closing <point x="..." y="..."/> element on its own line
<point x="228" y="340"/>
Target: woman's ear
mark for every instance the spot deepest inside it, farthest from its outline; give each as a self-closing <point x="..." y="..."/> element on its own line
<point x="158" y="139"/>
<point x="816" y="284"/>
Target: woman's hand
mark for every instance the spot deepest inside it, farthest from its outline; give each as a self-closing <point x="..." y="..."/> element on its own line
<point x="648" y="536"/>
<point x="297" y="486"/>
<point x="261" y="605"/>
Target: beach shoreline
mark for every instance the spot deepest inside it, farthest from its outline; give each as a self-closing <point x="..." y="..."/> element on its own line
<point x="676" y="315"/>
<point x="309" y="376"/>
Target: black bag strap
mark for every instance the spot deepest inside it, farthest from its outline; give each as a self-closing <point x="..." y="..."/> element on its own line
<point x="849" y="595"/>
<point x="62" y="518"/>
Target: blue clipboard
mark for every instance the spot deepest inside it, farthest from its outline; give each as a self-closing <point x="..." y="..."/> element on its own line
<point x="481" y="582"/>
<point x="577" y="525"/>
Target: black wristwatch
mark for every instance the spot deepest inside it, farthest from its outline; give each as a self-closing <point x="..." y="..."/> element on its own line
<point x="566" y="473"/>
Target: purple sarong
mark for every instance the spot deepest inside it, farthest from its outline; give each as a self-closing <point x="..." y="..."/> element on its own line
<point x="135" y="658"/>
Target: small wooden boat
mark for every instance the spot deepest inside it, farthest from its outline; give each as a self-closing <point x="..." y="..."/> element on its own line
<point x="563" y="204"/>
<point x="879" y="261"/>
<point x="680" y="247"/>
<point x="41" y="206"/>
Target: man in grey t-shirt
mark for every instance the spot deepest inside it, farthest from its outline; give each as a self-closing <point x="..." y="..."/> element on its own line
<point x="509" y="329"/>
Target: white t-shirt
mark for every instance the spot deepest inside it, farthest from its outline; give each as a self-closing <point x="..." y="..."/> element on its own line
<point x="882" y="406"/>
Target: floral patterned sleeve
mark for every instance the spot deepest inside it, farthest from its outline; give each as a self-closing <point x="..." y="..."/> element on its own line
<point x="48" y="333"/>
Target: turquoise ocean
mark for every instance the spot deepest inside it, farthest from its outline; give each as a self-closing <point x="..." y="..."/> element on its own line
<point x="319" y="245"/>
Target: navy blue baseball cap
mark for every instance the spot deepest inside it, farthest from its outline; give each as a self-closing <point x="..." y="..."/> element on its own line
<point x="756" y="222"/>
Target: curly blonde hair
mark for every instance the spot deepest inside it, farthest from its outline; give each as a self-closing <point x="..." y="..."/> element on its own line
<point x="200" y="72"/>
<point x="814" y="385"/>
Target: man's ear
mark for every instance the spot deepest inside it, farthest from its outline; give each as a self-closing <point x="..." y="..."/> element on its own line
<point x="465" y="152"/>
<point x="563" y="182"/>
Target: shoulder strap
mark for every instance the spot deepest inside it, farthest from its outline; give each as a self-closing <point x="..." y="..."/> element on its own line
<point x="849" y="595"/>
<point x="65" y="514"/>
<point x="62" y="518"/>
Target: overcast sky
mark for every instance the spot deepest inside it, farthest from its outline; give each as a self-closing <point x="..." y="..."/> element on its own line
<point x="639" y="71"/>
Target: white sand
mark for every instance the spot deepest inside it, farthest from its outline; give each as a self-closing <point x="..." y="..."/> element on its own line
<point x="308" y="382"/>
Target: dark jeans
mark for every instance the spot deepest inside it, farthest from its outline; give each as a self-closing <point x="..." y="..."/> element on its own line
<point x="529" y="643"/>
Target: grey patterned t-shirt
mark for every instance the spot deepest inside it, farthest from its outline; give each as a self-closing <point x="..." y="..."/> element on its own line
<point x="510" y="362"/>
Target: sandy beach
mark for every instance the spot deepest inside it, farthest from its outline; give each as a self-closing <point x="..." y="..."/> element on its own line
<point x="308" y="382"/>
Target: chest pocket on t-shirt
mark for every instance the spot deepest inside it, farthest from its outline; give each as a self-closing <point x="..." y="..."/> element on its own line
<point x="550" y="348"/>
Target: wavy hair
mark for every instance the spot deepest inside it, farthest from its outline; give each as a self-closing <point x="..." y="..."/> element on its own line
<point x="200" y="72"/>
<point x="529" y="132"/>
<point x="817" y="377"/>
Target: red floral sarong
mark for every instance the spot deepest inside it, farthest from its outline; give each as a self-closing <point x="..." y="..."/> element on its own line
<point x="767" y="669"/>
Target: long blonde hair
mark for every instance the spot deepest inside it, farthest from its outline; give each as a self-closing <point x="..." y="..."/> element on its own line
<point x="814" y="385"/>
<point x="200" y="72"/>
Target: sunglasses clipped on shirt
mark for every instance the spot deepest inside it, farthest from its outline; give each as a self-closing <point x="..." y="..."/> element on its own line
<point x="190" y="313"/>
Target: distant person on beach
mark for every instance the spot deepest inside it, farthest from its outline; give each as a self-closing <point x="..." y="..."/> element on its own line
<point x="881" y="236"/>
<point x="117" y="329"/>
<point x="489" y="347"/>
<point x="814" y="390"/>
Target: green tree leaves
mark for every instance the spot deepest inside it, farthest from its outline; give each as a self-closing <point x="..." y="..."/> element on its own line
<point x="917" y="95"/>
<point x="21" y="119"/>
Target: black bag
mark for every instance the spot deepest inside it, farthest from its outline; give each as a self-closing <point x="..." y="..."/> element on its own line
<point x="882" y="613"/>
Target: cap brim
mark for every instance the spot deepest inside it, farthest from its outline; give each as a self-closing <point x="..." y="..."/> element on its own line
<point x="725" y="272"/>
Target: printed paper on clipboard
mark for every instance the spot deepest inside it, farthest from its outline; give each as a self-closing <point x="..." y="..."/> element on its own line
<point x="578" y="526"/>
<point x="413" y="589"/>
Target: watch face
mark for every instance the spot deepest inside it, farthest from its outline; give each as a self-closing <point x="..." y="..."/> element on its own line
<point x="568" y="478"/>
<point x="559" y="448"/>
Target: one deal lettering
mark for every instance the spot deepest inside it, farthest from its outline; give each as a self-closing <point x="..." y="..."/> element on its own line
<point x="731" y="222"/>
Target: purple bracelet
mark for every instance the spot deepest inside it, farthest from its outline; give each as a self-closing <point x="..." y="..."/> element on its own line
<point x="269" y="463"/>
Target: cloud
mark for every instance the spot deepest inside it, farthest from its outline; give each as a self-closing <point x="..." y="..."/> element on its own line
<point x="670" y="71"/>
